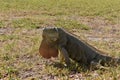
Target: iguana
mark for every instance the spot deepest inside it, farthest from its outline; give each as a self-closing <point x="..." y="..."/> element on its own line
<point x="76" y="49"/>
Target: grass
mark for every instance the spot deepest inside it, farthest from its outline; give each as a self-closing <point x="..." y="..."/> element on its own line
<point x="71" y="24"/>
<point x="21" y="23"/>
<point x="108" y="9"/>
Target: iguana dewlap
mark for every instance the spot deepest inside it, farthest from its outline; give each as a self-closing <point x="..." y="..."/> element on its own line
<point x="47" y="51"/>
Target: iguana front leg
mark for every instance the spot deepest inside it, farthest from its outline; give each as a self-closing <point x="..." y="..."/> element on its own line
<point x="61" y="57"/>
<point x="64" y="55"/>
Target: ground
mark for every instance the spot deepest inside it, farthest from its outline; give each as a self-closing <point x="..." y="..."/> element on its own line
<point x="21" y="23"/>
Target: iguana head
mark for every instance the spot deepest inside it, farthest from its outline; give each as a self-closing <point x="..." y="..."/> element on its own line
<point x="50" y="34"/>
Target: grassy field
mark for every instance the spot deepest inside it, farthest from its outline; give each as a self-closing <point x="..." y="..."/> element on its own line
<point x="21" y="22"/>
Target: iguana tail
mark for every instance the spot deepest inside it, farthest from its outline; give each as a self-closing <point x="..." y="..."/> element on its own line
<point x="107" y="60"/>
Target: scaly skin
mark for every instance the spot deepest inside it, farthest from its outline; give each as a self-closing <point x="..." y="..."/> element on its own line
<point x="73" y="48"/>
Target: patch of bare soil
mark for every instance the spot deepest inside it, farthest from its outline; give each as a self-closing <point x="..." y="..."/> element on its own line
<point x="6" y="30"/>
<point x="100" y="27"/>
